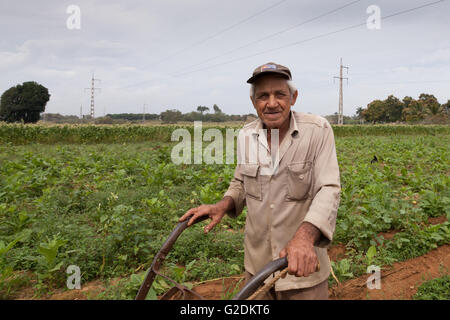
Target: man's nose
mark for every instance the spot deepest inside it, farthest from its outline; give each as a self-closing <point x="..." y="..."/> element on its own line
<point x="272" y="102"/>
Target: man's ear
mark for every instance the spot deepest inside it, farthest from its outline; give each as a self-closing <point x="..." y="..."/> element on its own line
<point x="253" y="102"/>
<point x="294" y="97"/>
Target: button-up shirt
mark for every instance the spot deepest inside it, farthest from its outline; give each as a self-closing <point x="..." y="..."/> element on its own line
<point x="301" y="183"/>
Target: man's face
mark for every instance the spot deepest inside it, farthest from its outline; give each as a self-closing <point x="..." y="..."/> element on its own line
<point x="272" y="100"/>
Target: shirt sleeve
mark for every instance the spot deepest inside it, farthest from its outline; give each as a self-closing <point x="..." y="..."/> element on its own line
<point x="327" y="188"/>
<point x="237" y="192"/>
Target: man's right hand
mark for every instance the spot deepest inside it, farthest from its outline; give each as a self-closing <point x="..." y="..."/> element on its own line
<point x="214" y="211"/>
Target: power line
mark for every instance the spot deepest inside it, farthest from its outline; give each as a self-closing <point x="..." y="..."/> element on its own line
<point x="309" y="39"/>
<point x="220" y="32"/>
<point x="263" y="38"/>
<point x="273" y="34"/>
<point x="404" y="82"/>
<point x="293" y="43"/>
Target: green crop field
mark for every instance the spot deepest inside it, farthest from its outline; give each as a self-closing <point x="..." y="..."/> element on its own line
<point x="105" y="198"/>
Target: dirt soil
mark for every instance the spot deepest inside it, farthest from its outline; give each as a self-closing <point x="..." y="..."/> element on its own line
<point x="400" y="281"/>
<point x="336" y="252"/>
<point x="88" y="291"/>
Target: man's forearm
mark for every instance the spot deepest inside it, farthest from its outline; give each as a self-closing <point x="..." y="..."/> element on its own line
<point x="226" y="204"/>
<point x="308" y="232"/>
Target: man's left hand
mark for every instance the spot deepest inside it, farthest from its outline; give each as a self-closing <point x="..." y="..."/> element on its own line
<point x="302" y="257"/>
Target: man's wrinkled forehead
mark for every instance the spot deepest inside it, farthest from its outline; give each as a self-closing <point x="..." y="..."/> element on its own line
<point x="271" y="82"/>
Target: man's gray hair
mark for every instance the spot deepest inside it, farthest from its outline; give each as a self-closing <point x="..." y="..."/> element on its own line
<point x="290" y="84"/>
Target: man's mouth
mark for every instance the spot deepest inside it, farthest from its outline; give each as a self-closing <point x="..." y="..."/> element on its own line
<point x="272" y="114"/>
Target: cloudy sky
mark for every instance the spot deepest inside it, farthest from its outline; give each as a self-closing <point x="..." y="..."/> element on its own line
<point x="184" y="53"/>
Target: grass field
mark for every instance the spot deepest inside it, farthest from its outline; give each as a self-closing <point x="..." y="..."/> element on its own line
<point x="105" y="198"/>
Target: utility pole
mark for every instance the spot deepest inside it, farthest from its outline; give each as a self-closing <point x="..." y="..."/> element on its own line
<point x="143" y="113"/>
<point x="81" y="111"/>
<point x="93" y="88"/>
<point x="341" y="94"/>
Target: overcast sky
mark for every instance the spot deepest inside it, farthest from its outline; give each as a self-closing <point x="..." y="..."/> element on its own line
<point x="178" y="54"/>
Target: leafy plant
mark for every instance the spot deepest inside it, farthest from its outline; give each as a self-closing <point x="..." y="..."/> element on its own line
<point x="47" y="260"/>
<point x="342" y="269"/>
<point x="434" y="204"/>
<point x="6" y="268"/>
<point x="229" y="293"/>
<point x="371" y="254"/>
<point x="7" y="277"/>
<point x="436" y="289"/>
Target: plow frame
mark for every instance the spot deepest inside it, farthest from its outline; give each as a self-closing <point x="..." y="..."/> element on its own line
<point x="252" y="285"/>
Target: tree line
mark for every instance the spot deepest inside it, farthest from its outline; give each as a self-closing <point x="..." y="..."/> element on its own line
<point x="424" y="109"/>
<point x="26" y="102"/>
<point x="202" y="114"/>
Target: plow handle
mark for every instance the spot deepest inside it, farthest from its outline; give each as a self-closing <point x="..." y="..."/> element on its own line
<point x="161" y="255"/>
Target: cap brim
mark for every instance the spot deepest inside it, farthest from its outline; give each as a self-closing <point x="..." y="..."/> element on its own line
<point x="259" y="75"/>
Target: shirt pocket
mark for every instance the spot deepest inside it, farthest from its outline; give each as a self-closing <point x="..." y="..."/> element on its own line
<point x="252" y="186"/>
<point x="299" y="180"/>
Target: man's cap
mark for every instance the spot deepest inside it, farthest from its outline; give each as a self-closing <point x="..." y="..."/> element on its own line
<point x="270" y="67"/>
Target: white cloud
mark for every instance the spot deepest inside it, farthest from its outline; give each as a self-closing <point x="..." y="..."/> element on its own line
<point x="10" y="60"/>
<point x="439" y="56"/>
<point x="122" y="43"/>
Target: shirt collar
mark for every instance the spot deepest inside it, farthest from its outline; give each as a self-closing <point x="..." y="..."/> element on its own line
<point x="293" y="128"/>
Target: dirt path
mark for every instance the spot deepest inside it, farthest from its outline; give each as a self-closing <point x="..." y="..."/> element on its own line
<point x="400" y="281"/>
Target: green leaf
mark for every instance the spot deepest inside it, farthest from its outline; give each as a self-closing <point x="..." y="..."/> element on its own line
<point x="57" y="267"/>
<point x="371" y="253"/>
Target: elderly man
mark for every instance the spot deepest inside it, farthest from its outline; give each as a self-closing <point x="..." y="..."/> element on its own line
<point x="292" y="208"/>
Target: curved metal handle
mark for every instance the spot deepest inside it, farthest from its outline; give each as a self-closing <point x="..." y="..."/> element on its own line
<point x="161" y="255"/>
<point x="257" y="280"/>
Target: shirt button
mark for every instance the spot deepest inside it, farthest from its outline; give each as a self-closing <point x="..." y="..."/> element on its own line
<point x="272" y="206"/>
<point x="301" y="177"/>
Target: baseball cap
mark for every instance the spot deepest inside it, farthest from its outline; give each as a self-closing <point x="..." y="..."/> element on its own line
<point x="270" y="67"/>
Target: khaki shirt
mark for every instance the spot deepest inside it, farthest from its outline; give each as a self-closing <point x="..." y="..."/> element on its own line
<point x="305" y="187"/>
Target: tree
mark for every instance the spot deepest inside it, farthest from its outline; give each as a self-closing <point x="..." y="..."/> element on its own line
<point x="388" y="110"/>
<point x="446" y="107"/>
<point x="416" y="111"/>
<point x="359" y="112"/>
<point x="406" y="101"/>
<point x="171" y="116"/>
<point x="216" y="109"/>
<point x="393" y="107"/>
<point x="23" y="102"/>
<point x="430" y="103"/>
<point x="375" y="112"/>
<point x="202" y="109"/>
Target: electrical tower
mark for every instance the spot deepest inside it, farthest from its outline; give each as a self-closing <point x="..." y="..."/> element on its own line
<point x="93" y="88"/>
<point x="341" y="94"/>
<point x="143" y="113"/>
